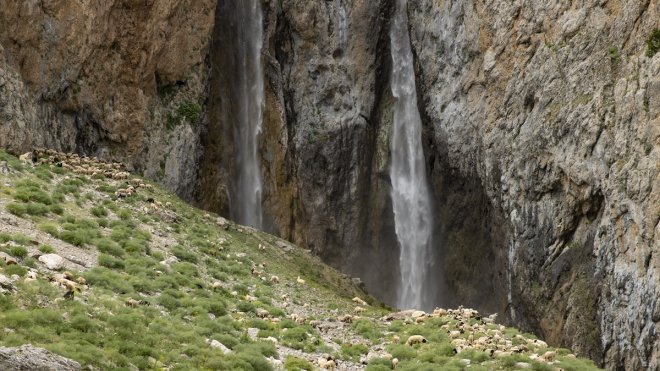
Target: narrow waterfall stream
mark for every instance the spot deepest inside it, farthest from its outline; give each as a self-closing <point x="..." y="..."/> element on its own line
<point x="246" y="205"/>
<point x="410" y="193"/>
<point x="342" y="23"/>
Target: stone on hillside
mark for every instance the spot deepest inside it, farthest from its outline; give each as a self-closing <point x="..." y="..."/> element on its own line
<point x="7" y="258"/>
<point x="28" y="357"/>
<point x="417" y="314"/>
<point x="253" y="333"/>
<point x="167" y="262"/>
<point x="218" y="345"/>
<point x="5" y="282"/>
<point x="52" y="261"/>
<point x="222" y="222"/>
<point x="4" y="168"/>
<point x="283" y="245"/>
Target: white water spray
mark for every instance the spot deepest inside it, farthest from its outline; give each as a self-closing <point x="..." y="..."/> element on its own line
<point x="410" y="193"/>
<point x="250" y="101"/>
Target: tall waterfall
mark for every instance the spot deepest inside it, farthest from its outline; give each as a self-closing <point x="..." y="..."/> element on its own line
<point x="342" y="23"/>
<point x="410" y="193"/>
<point x="246" y="205"/>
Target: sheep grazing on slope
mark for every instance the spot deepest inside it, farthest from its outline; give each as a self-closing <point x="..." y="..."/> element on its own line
<point x="300" y="280"/>
<point x="327" y="364"/>
<point x="359" y="301"/>
<point x="359" y="310"/>
<point x="549" y="356"/>
<point x="416" y="339"/>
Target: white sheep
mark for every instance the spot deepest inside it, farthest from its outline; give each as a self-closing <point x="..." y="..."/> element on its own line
<point x="416" y="339"/>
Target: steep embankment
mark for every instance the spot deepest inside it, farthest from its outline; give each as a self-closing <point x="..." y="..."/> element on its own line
<point x="102" y="267"/>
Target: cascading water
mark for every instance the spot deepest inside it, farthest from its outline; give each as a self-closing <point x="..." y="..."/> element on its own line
<point x="246" y="205"/>
<point x="410" y="193"/>
<point x="342" y="23"/>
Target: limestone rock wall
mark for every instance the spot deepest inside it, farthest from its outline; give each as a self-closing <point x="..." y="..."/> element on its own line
<point x="554" y="107"/>
<point x="119" y="79"/>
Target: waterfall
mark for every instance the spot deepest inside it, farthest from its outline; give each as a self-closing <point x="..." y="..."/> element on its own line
<point x="410" y="193"/>
<point x="342" y="24"/>
<point x="246" y="205"/>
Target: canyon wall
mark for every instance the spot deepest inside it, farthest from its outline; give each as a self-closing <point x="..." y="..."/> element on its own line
<point x="120" y="79"/>
<point x="541" y="132"/>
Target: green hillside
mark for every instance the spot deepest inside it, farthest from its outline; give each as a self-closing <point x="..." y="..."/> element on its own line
<point x="108" y="269"/>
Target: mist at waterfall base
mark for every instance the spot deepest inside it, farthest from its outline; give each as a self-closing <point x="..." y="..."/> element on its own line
<point x="411" y="199"/>
<point x="245" y="203"/>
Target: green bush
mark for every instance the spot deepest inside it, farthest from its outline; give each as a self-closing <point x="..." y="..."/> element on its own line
<point x="30" y="191"/>
<point x="99" y="211"/>
<point x="168" y="301"/>
<point x="292" y="363"/>
<point x="18" y="251"/>
<point x="56" y="209"/>
<point x="184" y="254"/>
<point x="16" y="209"/>
<point x="402" y="352"/>
<point x="46" y="249"/>
<point x="245" y="306"/>
<point x="353" y="351"/>
<point x="108" y="261"/>
<point x="106" y="278"/>
<point x="109" y="247"/>
<point x="49" y="228"/>
<point x="368" y="329"/>
<point x="37" y="209"/>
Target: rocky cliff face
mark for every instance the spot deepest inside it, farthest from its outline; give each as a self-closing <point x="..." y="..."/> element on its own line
<point x="120" y="79"/>
<point x="541" y="133"/>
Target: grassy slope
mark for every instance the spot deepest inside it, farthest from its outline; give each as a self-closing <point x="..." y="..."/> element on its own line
<point x="179" y="308"/>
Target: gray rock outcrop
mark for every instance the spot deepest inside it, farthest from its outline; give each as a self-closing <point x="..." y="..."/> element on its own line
<point x="28" y="357"/>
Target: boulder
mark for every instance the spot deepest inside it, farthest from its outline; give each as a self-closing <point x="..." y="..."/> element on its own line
<point x="52" y="261"/>
<point x="28" y="357"/>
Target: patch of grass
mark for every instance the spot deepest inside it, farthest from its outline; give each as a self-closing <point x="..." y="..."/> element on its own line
<point x="18" y="251"/>
<point x="37" y="209"/>
<point x="184" y="254"/>
<point x="368" y="329"/>
<point x="15" y="269"/>
<point x="379" y="364"/>
<point x="653" y="43"/>
<point x="111" y="262"/>
<point x="79" y="231"/>
<point x="99" y="211"/>
<point x="353" y="351"/>
<point x="16" y="209"/>
<point x="110" y="247"/>
<point x="12" y="161"/>
<point x="401" y="351"/>
<point x="292" y="363"/>
<point x="30" y="191"/>
<point x="49" y="228"/>
<point x="46" y="249"/>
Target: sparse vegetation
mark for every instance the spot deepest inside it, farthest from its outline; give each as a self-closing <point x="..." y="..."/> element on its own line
<point x="653" y="43"/>
<point x="160" y="291"/>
